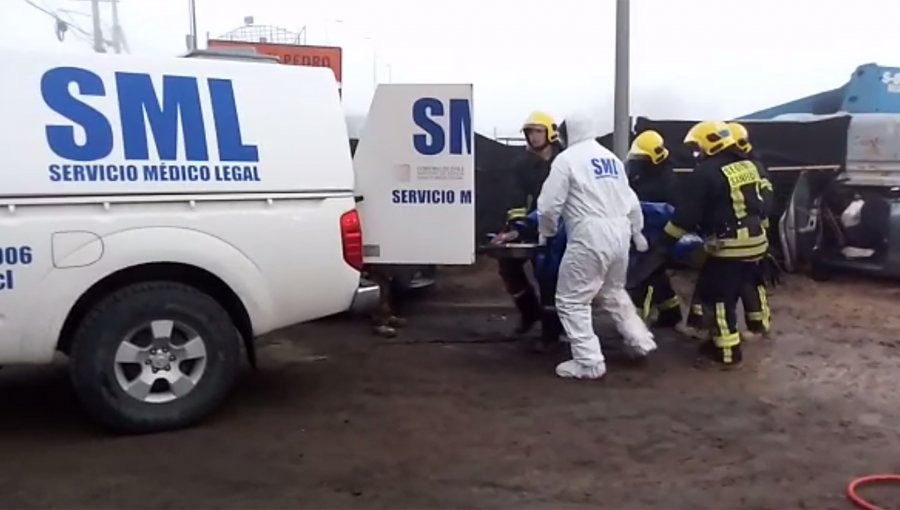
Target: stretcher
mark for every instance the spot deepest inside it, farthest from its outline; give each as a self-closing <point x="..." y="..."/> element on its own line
<point x="520" y="241"/>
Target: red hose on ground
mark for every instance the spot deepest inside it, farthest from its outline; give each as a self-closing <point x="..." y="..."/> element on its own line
<point x="868" y="480"/>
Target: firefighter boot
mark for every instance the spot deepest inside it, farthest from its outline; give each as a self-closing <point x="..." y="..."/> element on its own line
<point x="669" y="318"/>
<point x="529" y="312"/>
<point x="711" y="355"/>
<point x="551" y="330"/>
<point x="755" y="330"/>
<point x="694" y="326"/>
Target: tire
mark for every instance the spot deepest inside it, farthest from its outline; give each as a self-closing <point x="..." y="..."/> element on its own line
<point x="137" y="314"/>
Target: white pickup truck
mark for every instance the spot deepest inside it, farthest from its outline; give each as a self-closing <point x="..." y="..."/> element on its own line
<point x="159" y="214"/>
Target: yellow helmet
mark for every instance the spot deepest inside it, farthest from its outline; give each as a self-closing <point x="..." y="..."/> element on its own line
<point x="649" y="144"/>
<point x="710" y="136"/>
<point x="543" y="120"/>
<point x="741" y="136"/>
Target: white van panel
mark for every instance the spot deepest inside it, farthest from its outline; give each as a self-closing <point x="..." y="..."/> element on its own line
<point x="104" y="125"/>
<point x="415" y="169"/>
<point x="283" y="258"/>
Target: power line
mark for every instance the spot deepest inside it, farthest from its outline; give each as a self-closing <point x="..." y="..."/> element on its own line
<point x="93" y="37"/>
<point x="42" y="9"/>
<point x="62" y="26"/>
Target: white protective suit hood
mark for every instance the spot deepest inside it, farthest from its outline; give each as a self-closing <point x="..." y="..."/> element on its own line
<point x="580" y="126"/>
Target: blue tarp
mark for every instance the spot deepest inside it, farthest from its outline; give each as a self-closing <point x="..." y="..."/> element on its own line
<point x="548" y="258"/>
<point x="656" y="215"/>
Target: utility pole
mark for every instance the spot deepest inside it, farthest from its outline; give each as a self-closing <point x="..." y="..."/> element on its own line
<point x="374" y="69"/>
<point x="192" y="17"/>
<point x="118" y="35"/>
<point x="621" y="115"/>
<point x="97" y="30"/>
<point x="117" y="29"/>
<point x="374" y="44"/>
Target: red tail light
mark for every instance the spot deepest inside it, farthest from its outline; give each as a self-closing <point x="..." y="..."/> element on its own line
<point x="351" y="239"/>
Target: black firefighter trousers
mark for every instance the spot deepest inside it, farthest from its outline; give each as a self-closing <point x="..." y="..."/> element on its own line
<point x="753" y="298"/>
<point x="532" y="307"/>
<point x="657" y="293"/>
<point x="719" y="288"/>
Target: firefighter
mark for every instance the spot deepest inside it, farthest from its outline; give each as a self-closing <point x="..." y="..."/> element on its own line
<point x="650" y="172"/>
<point x="542" y="146"/>
<point x="722" y="202"/>
<point x="652" y="178"/>
<point x="754" y="298"/>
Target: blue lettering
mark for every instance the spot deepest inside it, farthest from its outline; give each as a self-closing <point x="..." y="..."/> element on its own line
<point x="98" y="135"/>
<point x="465" y="196"/>
<point x="151" y="172"/>
<point x="13" y="256"/>
<point x="604" y="168"/>
<point x="6" y="280"/>
<point x="423" y="196"/>
<point x="16" y="256"/>
<point x="228" y="126"/>
<point x="173" y="111"/>
<point x="423" y="109"/>
<point x="177" y="173"/>
<point x="93" y="173"/>
<point x="138" y="101"/>
<point x="237" y="173"/>
<point x="434" y="140"/>
<point x="460" y="126"/>
<point x="610" y="167"/>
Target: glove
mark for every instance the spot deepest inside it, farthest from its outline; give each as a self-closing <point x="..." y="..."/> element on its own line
<point x="505" y="237"/>
<point x="640" y="242"/>
<point x="542" y="253"/>
<point x="771" y="271"/>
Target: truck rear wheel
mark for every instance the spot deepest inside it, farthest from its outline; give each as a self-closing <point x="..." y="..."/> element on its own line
<point x="154" y="356"/>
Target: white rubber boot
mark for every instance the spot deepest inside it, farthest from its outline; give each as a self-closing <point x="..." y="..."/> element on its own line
<point x="573" y="370"/>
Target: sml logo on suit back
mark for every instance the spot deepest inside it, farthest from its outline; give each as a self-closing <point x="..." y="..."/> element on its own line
<point x="432" y="141"/>
<point x="605" y="168"/>
<point x="174" y="109"/>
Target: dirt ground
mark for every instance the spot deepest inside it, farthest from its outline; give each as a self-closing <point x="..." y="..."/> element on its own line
<point x="450" y="415"/>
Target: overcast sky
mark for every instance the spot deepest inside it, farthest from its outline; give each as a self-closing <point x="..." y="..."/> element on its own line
<point x="689" y="58"/>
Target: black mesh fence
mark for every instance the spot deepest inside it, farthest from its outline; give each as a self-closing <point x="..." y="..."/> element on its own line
<point x="786" y="147"/>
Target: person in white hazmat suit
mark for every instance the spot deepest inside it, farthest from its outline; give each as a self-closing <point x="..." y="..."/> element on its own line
<point x="587" y="186"/>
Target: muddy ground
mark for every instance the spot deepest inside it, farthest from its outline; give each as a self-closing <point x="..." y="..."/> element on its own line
<point x="452" y="416"/>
